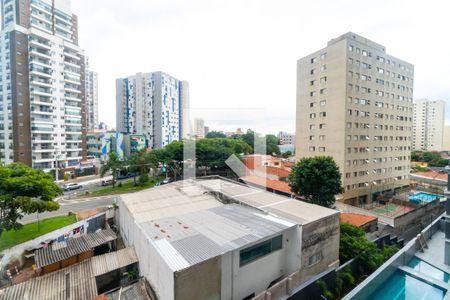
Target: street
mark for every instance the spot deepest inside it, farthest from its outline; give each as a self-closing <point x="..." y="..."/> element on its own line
<point x="73" y="205"/>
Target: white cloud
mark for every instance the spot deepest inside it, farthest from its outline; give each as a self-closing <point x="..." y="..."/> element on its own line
<point x="242" y="53"/>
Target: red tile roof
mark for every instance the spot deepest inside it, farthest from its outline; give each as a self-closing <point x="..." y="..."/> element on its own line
<point x="432" y="175"/>
<point x="273" y="184"/>
<point x="357" y="219"/>
<point x="274" y="171"/>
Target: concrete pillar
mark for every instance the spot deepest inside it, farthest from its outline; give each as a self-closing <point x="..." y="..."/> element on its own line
<point x="289" y="286"/>
<point x="268" y="296"/>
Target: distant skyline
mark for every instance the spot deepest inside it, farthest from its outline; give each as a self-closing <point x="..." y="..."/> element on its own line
<point x="240" y="55"/>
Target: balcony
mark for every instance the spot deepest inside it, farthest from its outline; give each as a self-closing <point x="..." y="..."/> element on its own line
<point x="40" y="53"/>
<point x="72" y="64"/>
<point x="41" y="82"/>
<point x="39" y="70"/>
<point x="40" y="44"/>
<point x="41" y="91"/>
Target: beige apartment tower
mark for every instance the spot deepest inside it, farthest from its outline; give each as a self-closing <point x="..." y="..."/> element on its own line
<point x="428" y="125"/>
<point x="355" y="103"/>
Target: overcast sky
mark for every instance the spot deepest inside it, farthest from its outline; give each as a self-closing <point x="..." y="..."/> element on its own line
<point x="239" y="56"/>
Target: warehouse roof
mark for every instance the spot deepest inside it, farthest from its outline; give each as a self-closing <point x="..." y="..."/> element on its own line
<point x="63" y="250"/>
<point x="193" y="220"/>
<point x="74" y="282"/>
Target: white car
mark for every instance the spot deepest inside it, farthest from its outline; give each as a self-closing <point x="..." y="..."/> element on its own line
<point x="71" y="186"/>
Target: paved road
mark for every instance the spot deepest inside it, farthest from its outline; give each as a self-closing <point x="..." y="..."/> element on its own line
<point x="74" y="205"/>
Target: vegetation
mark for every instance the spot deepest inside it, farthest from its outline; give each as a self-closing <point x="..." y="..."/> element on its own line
<point x="253" y="140"/>
<point x="24" y="191"/>
<point x="125" y="187"/>
<point x="113" y="165"/>
<point x="317" y="179"/>
<point x="33" y="230"/>
<point x="287" y="154"/>
<point x="354" y="243"/>
<point x="215" y="134"/>
<point x="434" y="159"/>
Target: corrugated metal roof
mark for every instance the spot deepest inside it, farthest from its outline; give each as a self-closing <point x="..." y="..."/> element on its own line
<point x="187" y="224"/>
<point x="135" y="291"/>
<point x="60" y="251"/>
<point x="75" y="282"/>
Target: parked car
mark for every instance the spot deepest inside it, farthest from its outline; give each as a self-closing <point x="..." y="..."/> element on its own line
<point x="71" y="186"/>
<point x="106" y="182"/>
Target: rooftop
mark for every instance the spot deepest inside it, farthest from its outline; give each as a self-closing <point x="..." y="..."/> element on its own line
<point x="436" y="175"/>
<point x="193" y="220"/>
<point x="63" y="250"/>
<point x="278" y="185"/>
<point x="74" y="282"/>
<point x="356" y="219"/>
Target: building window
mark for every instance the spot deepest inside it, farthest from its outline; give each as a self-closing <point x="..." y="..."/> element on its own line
<point x="321" y="149"/>
<point x="312" y="94"/>
<point x="312" y="104"/>
<point x="312" y="148"/>
<point x="323" y="102"/>
<point x="323" y="79"/>
<point x="322" y="126"/>
<point x="313" y="60"/>
<point x="323" y="67"/>
<point x="323" y="114"/>
<point x="259" y="250"/>
<point x="312" y="116"/>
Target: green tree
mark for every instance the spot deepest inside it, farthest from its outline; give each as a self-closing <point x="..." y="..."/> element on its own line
<point x="272" y="145"/>
<point x="317" y="179"/>
<point x="353" y="243"/>
<point x="113" y="165"/>
<point x="215" y="134"/>
<point x="24" y="191"/>
<point x="212" y="153"/>
<point x="287" y="154"/>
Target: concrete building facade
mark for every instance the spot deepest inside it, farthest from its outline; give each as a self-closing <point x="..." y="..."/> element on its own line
<point x="42" y="89"/>
<point x="101" y="143"/>
<point x="199" y="128"/>
<point x="218" y="239"/>
<point x="151" y="104"/>
<point x="134" y="143"/>
<point x="355" y="103"/>
<point x="91" y="98"/>
<point x="446" y="139"/>
<point x="286" y="138"/>
<point x="428" y="125"/>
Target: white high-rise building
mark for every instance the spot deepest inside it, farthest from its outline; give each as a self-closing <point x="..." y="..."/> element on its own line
<point x="91" y="98"/>
<point x="42" y="88"/>
<point x="152" y="104"/>
<point x="199" y="128"/>
<point x="354" y="103"/>
<point x="428" y="128"/>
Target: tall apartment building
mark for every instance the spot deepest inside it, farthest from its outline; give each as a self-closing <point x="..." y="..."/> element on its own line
<point x="152" y="104"/>
<point x="42" y="88"/>
<point x="428" y="125"/>
<point x="446" y="142"/>
<point x="199" y="128"/>
<point x="286" y="138"/>
<point x="91" y="98"/>
<point x="355" y="103"/>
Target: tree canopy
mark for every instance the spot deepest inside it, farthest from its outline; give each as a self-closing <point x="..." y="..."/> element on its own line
<point x="255" y="140"/>
<point x="433" y="158"/>
<point x="113" y="165"/>
<point x="317" y="179"/>
<point x="353" y="243"/>
<point x="215" y="134"/>
<point x="24" y="190"/>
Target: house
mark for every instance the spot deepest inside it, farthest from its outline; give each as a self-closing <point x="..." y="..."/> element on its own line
<point x="214" y="238"/>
